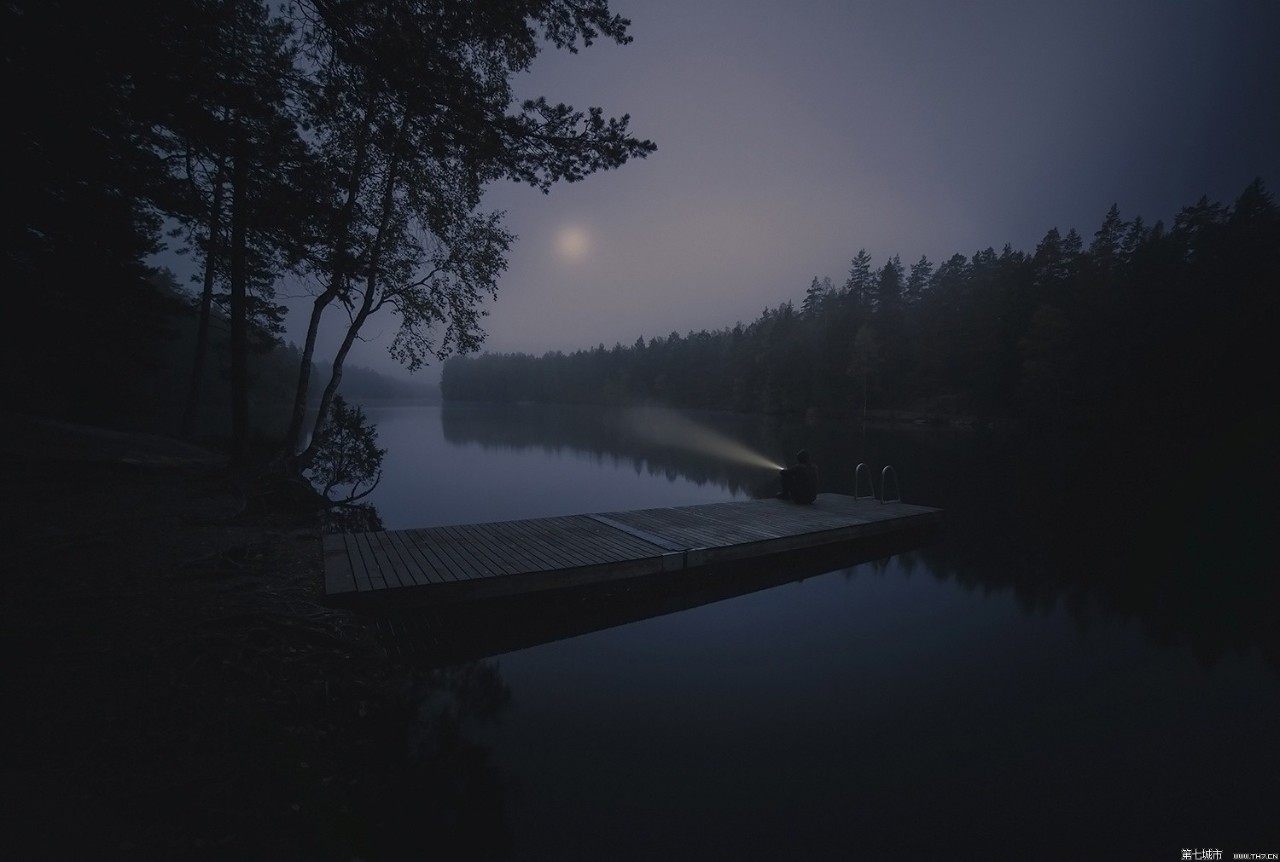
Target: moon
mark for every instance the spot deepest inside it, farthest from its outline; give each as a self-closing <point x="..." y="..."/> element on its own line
<point x="572" y="243"/>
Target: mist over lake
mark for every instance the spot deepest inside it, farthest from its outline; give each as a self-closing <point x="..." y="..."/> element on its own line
<point x="977" y="695"/>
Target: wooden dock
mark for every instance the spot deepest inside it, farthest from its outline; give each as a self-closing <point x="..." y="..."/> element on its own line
<point x="462" y="563"/>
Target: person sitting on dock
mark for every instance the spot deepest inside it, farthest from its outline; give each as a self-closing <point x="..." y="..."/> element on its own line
<point x="800" y="480"/>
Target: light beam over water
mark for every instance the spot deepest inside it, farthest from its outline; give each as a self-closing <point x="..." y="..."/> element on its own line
<point x="665" y="428"/>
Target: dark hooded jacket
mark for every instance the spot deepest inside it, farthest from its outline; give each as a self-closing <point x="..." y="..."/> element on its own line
<point x="800" y="480"/>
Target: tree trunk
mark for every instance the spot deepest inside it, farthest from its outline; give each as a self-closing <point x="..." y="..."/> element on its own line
<point x="367" y="304"/>
<point x="239" y="308"/>
<point x="305" y="457"/>
<point x="293" y="438"/>
<point x="206" y="305"/>
<point x="337" y="277"/>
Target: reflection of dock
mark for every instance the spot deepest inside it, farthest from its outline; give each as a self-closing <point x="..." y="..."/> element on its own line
<point x="460" y="563"/>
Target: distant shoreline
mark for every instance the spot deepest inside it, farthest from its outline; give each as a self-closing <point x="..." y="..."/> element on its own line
<point x="881" y="417"/>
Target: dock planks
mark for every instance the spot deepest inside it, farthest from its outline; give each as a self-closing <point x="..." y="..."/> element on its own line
<point x="505" y="558"/>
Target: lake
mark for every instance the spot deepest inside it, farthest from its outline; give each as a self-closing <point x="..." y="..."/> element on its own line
<point x="1068" y="668"/>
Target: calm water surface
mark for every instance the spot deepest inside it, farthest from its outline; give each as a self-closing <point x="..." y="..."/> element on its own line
<point x="1034" y="683"/>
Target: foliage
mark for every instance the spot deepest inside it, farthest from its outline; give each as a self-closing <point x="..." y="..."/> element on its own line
<point x="348" y="456"/>
<point x="404" y="156"/>
<point x="342" y="143"/>
<point x="78" y="221"/>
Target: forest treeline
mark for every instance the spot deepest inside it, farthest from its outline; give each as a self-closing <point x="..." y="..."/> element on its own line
<point x="1143" y="324"/>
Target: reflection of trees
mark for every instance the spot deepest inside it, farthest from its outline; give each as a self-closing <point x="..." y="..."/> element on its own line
<point x="609" y="435"/>
<point x="1133" y="531"/>
<point x="439" y="789"/>
<point x="1130" y="530"/>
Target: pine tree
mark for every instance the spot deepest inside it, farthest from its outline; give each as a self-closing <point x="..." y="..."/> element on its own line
<point x="918" y="280"/>
<point x="858" y="286"/>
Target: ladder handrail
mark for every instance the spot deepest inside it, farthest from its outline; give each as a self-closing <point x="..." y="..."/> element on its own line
<point x="857" y="475"/>
<point x="884" y="485"/>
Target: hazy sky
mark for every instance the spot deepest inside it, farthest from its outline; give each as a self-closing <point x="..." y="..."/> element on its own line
<point x="792" y="134"/>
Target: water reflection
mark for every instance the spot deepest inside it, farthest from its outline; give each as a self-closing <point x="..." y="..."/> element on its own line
<point x="1127" y="531"/>
<point x="1119" y="531"/>
<point x="438" y="786"/>
<point x="623" y="437"/>
<point x="442" y="636"/>
<point x="872" y="710"/>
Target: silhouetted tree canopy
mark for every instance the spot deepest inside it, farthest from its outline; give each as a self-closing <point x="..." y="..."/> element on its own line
<point x="342" y="143"/>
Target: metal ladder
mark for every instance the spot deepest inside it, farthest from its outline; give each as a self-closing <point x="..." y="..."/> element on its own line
<point x="885" y="475"/>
